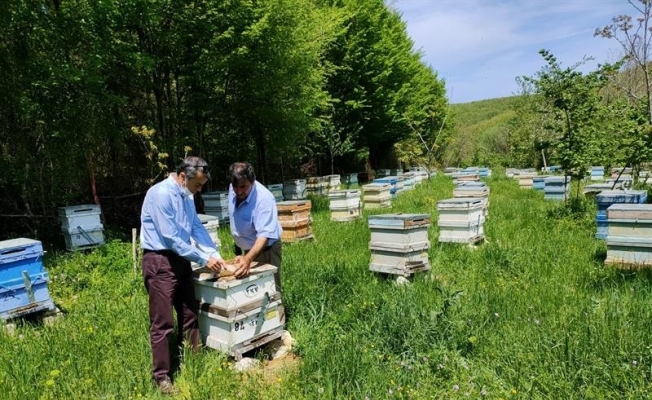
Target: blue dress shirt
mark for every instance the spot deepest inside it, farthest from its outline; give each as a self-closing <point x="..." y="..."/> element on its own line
<point x="255" y="217"/>
<point x="168" y="221"/>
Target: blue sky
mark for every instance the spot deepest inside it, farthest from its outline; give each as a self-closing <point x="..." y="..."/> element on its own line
<point x="480" y="46"/>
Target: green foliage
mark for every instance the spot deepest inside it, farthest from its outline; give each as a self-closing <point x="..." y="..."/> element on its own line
<point x="276" y="82"/>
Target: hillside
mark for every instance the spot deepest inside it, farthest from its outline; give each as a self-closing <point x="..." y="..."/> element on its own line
<point x="480" y="134"/>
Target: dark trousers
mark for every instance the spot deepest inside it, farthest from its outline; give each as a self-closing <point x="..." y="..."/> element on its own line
<point x="270" y="255"/>
<point x="168" y="280"/>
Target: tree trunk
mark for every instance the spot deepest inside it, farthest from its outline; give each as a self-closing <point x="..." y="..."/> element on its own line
<point x="262" y="155"/>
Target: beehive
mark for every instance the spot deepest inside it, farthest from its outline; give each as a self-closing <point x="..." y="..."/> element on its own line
<point x="238" y="315"/>
<point x="23" y="279"/>
<point x="461" y="220"/>
<point x="294" y="217"/>
<point x="389" y="180"/>
<point x="212" y="225"/>
<point x="351" y="180"/>
<point x="217" y="205"/>
<point x="607" y="198"/>
<point x="629" y="239"/>
<point x="556" y="187"/>
<point x="408" y="181"/>
<point x="277" y="191"/>
<point x="476" y="190"/>
<point x="376" y="195"/>
<point x="316" y="185"/>
<point x="294" y="189"/>
<point x="399" y="243"/>
<point x="333" y="182"/>
<point x="81" y="226"/>
<point x="345" y="205"/>
<point x="597" y="173"/>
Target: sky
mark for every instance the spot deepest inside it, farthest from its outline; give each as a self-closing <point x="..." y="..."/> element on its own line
<point x="479" y="47"/>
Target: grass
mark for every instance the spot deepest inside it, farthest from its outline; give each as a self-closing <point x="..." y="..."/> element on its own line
<point x="533" y="313"/>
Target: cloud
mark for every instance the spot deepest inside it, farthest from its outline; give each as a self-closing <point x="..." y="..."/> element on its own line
<point x="481" y="45"/>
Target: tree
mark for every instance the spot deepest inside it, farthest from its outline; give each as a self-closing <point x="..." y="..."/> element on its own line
<point x="573" y="110"/>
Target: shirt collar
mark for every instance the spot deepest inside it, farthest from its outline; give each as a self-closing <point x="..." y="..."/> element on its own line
<point x="173" y="181"/>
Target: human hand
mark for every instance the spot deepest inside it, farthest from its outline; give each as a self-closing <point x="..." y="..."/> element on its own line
<point x="242" y="264"/>
<point x="215" y="264"/>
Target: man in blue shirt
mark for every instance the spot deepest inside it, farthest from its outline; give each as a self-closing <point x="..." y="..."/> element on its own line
<point x="168" y="221"/>
<point x="254" y="221"/>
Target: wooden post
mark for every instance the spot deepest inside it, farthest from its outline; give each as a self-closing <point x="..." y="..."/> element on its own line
<point x="133" y="248"/>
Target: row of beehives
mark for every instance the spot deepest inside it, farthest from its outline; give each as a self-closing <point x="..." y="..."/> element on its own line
<point x="399" y="242"/>
<point x="294" y="217"/>
<point x="553" y="187"/>
<point x="299" y="189"/>
<point x="482" y="172"/>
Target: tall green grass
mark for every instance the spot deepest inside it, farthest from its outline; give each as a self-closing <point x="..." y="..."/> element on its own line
<point x="532" y="313"/>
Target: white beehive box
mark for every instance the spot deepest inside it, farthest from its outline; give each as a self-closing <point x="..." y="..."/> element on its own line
<point x="277" y="191"/>
<point x="403" y="262"/>
<point x="294" y="189"/>
<point x="345" y="205"/>
<point x="80" y="239"/>
<point x="399" y="230"/>
<point x="635" y="253"/>
<point x="399" y="243"/>
<point x="316" y="185"/>
<point x="461" y="231"/>
<point x="247" y="330"/>
<point x="377" y="195"/>
<point x="344" y="199"/>
<point x="232" y="295"/>
<point x="460" y="209"/>
<point x="333" y="182"/>
<point x="461" y="220"/>
<point x="86" y="216"/>
<point x="212" y="224"/>
<point x="216" y="200"/>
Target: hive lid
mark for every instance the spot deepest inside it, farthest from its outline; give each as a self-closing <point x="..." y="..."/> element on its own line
<point x="629" y="242"/>
<point x="205" y="218"/>
<point x="292" y="204"/>
<point x="204" y="276"/>
<point x="344" y="193"/>
<point x="628" y="196"/>
<point x="386" y="179"/>
<point x="630" y="207"/>
<point x="461" y="202"/>
<point x="17" y="249"/>
<point x="399" y="219"/>
<point x="79" y="210"/>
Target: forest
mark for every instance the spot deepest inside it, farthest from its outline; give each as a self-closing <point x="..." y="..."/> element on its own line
<point x="99" y="99"/>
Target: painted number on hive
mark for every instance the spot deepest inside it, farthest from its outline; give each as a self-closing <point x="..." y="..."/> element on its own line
<point x="251" y="290"/>
<point x="240" y="326"/>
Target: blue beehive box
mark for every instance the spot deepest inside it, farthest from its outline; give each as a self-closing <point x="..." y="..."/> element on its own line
<point x="606" y="198"/>
<point x="23" y="280"/>
<point x="484" y="172"/>
<point x="538" y="182"/>
<point x="392" y="182"/>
